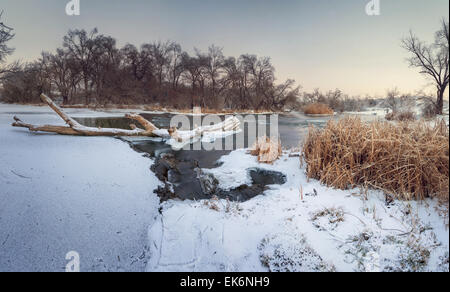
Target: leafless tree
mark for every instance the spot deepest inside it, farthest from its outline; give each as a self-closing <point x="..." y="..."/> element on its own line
<point x="432" y="60"/>
<point x="63" y="72"/>
<point x="393" y="99"/>
<point x="160" y="53"/>
<point x="175" y="65"/>
<point x="214" y="67"/>
<point x="81" y="46"/>
<point x="6" y="34"/>
<point x="105" y="68"/>
<point x="278" y="96"/>
<point x="194" y="74"/>
<point x="25" y="84"/>
<point x="137" y="62"/>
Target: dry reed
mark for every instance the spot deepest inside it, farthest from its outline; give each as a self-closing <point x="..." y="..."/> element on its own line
<point x="317" y="109"/>
<point x="268" y="150"/>
<point x="406" y="160"/>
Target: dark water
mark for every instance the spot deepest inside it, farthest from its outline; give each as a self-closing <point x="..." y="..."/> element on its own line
<point x="181" y="170"/>
<point x="292" y="130"/>
<point x="292" y="127"/>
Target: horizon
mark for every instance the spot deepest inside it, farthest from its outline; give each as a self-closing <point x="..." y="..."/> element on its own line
<point x="357" y="53"/>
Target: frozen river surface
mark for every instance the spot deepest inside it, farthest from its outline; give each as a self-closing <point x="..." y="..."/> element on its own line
<point x="60" y="194"/>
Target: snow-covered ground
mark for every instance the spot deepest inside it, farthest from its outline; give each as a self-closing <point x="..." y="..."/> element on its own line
<point x="332" y="231"/>
<point x="60" y="194"/>
<point x="95" y="195"/>
<point x="415" y="105"/>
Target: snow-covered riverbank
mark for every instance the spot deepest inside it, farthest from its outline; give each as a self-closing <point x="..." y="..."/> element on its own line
<point x="60" y="194"/>
<point x="327" y="230"/>
<point x="95" y="196"/>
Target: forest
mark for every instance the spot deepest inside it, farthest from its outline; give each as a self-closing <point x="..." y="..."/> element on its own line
<point x="89" y="68"/>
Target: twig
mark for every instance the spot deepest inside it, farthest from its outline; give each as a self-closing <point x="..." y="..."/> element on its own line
<point x="4" y="242"/>
<point x="26" y="177"/>
<point x="356" y="218"/>
<point x="398" y="230"/>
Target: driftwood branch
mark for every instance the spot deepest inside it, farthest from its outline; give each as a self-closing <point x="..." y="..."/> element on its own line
<point x="150" y="130"/>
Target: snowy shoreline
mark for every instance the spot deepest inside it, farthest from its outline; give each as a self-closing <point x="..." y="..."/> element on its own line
<point x="95" y="196"/>
<point x="278" y="231"/>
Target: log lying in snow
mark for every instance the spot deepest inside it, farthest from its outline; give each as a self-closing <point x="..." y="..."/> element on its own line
<point x="150" y="130"/>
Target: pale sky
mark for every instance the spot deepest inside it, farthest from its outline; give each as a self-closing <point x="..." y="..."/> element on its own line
<point x="320" y="43"/>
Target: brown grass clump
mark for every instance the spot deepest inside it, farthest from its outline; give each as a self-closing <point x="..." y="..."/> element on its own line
<point x="268" y="150"/>
<point x="401" y="116"/>
<point x="318" y="109"/>
<point x="407" y="160"/>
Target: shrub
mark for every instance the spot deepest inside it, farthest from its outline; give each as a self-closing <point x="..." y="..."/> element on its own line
<point x="429" y="111"/>
<point x="317" y="109"/>
<point x="407" y="160"/>
<point x="401" y="116"/>
<point x="291" y="253"/>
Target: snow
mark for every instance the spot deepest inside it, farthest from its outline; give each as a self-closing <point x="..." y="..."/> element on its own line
<point x="415" y="105"/>
<point x="21" y="110"/>
<point x="280" y="229"/>
<point x="92" y="195"/>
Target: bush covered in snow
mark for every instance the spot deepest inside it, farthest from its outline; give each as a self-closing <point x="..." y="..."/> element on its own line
<point x="291" y="253"/>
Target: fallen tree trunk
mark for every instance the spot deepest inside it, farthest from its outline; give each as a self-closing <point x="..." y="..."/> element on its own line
<point x="150" y="130"/>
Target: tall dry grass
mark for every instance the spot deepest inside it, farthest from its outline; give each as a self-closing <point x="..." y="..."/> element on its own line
<point x="317" y="109"/>
<point x="267" y="149"/>
<point x="407" y="160"/>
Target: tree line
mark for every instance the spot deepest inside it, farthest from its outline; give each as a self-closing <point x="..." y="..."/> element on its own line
<point x="89" y="68"/>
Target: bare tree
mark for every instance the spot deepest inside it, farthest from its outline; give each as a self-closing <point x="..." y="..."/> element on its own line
<point x="175" y="65"/>
<point x="258" y="76"/>
<point x="194" y="69"/>
<point x="432" y="60"/>
<point x="138" y="62"/>
<point x="81" y="46"/>
<point x="277" y="96"/>
<point x="214" y="67"/>
<point x="25" y="84"/>
<point x="393" y="99"/>
<point x="105" y="67"/>
<point x="231" y="82"/>
<point x="6" y="34"/>
<point x="62" y="71"/>
<point x="160" y="53"/>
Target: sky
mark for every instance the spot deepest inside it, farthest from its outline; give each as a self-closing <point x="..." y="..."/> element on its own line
<point x="324" y="44"/>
